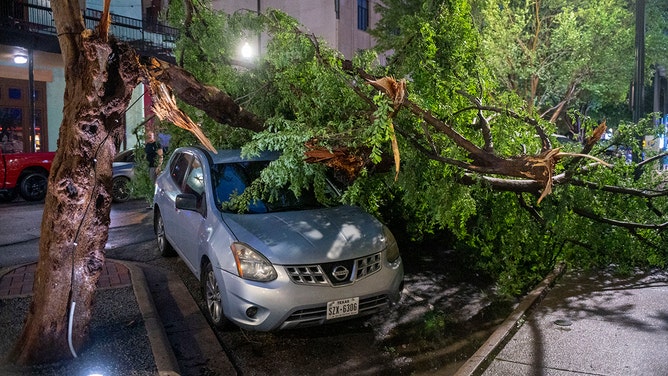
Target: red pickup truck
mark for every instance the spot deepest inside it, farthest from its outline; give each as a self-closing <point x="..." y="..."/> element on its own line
<point x="25" y="174"/>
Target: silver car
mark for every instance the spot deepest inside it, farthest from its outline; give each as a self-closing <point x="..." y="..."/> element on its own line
<point x="279" y="265"/>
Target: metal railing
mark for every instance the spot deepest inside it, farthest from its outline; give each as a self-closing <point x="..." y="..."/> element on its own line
<point x="32" y="16"/>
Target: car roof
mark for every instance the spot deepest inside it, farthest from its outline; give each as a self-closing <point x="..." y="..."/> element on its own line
<point x="234" y="156"/>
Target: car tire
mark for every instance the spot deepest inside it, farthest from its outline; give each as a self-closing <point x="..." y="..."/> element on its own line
<point x="166" y="249"/>
<point x="120" y="189"/>
<point x="212" y="297"/>
<point x="32" y="186"/>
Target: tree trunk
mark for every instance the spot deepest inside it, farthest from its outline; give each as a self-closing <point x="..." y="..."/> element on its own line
<point x="100" y="76"/>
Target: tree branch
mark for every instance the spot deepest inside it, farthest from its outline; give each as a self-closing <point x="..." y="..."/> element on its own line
<point x="623" y="224"/>
<point x="484" y="123"/>
<point x="642" y="164"/>
<point x="213" y="101"/>
<point x="644" y="193"/>
<point x="530" y="209"/>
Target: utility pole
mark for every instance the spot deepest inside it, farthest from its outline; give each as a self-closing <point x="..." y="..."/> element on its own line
<point x="639" y="75"/>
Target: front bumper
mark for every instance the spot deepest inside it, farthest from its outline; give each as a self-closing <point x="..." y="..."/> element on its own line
<point x="284" y="304"/>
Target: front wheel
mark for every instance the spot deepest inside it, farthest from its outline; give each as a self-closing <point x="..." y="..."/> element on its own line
<point x="32" y="186"/>
<point x="212" y="298"/>
<point x="166" y="249"/>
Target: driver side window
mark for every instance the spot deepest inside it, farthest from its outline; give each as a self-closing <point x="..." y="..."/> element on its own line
<point x="195" y="180"/>
<point x="187" y="173"/>
<point x="194" y="183"/>
<point x="179" y="168"/>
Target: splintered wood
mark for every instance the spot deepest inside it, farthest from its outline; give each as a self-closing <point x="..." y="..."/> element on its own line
<point x="165" y="107"/>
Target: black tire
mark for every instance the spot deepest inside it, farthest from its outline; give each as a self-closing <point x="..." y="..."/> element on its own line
<point x="32" y="186"/>
<point x="120" y="189"/>
<point x="212" y="300"/>
<point x="166" y="249"/>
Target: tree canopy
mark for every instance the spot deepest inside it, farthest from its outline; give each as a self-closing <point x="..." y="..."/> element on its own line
<point x="454" y="135"/>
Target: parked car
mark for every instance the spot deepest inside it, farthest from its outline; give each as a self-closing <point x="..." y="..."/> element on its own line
<point x="25" y="174"/>
<point x="281" y="264"/>
<point x="123" y="171"/>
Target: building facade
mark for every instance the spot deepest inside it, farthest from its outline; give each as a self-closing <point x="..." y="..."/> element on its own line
<point x="343" y="24"/>
<point x="30" y="60"/>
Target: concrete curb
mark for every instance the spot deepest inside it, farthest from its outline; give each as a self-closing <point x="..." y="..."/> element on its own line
<point x="165" y="360"/>
<point x="479" y="361"/>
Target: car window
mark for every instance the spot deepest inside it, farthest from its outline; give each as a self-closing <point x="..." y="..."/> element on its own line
<point x="179" y="168"/>
<point x="195" y="180"/>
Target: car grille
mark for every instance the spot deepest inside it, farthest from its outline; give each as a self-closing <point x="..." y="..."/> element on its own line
<point x="367" y="266"/>
<point x="335" y="273"/>
<point x="317" y="315"/>
<point x="307" y="275"/>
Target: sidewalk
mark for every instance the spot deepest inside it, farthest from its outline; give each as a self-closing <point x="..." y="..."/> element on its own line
<point x="587" y="324"/>
<point x="19" y="281"/>
<point x="178" y="325"/>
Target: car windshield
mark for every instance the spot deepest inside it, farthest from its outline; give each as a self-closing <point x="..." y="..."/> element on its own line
<point x="231" y="180"/>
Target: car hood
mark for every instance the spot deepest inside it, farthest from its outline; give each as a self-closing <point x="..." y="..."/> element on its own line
<point x="309" y="236"/>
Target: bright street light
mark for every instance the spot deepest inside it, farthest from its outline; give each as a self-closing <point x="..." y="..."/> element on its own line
<point x="246" y="51"/>
<point x="20" y="59"/>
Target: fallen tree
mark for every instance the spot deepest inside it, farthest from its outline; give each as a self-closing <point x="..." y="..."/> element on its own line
<point x="451" y="153"/>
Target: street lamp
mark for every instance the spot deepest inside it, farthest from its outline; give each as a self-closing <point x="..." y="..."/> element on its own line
<point x="246" y="51"/>
<point x="20" y="59"/>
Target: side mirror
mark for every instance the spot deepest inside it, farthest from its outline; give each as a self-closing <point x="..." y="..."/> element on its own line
<point x="186" y="201"/>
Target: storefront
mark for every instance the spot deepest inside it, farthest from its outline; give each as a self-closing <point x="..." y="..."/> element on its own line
<point x="29" y="123"/>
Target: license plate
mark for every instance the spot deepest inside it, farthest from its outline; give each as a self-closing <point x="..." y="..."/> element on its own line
<point x="343" y="308"/>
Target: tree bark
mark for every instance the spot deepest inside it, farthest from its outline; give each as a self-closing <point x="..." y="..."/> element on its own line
<point x="214" y="102"/>
<point x="100" y="76"/>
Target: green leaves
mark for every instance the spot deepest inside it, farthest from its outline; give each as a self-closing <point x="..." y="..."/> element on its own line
<point x="496" y="73"/>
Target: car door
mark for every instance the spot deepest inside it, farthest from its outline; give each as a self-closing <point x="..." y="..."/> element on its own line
<point x="168" y="187"/>
<point x="189" y="234"/>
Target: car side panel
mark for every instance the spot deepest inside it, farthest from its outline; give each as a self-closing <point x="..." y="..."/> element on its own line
<point x="165" y="201"/>
<point x="190" y="236"/>
<point x="13" y="165"/>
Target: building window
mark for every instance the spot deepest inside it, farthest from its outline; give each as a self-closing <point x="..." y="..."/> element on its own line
<point x="362" y="14"/>
<point x="22" y="131"/>
<point x="14" y="93"/>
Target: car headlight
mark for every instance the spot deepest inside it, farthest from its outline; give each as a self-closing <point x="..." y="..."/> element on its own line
<point x="251" y="264"/>
<point x="392" y="248"/>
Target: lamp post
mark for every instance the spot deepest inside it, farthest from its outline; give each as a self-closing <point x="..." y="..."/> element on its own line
<point x="31" y="92"/>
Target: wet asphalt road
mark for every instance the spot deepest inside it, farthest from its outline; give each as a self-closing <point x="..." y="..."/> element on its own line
<point x="131" y="224"/>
